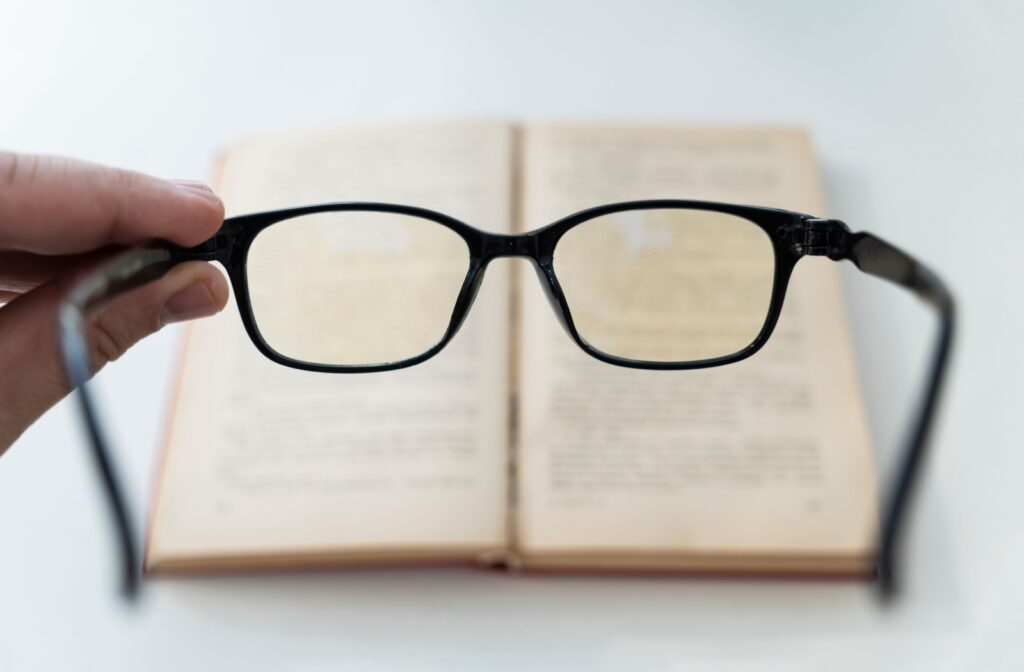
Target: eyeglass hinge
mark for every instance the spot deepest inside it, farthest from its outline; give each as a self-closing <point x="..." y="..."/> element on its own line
<point x="209" y="250"/>
<point x="822" y="237"/>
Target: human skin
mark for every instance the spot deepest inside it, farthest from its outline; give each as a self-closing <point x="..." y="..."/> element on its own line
<point x="60" y="217"/>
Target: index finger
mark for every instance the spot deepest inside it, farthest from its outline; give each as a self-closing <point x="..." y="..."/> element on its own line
<point x="52" y="205"/>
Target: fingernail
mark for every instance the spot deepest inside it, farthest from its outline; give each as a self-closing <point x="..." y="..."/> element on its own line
<point x="194" y="301"/>
<point x="196" y="188"/>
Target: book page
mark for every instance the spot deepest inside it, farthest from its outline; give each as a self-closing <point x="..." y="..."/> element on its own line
<point x="271" y="465"/>
<point x="762" y="464"/>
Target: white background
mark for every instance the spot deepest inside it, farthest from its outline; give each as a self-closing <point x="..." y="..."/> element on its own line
<point x="917" y="109"/>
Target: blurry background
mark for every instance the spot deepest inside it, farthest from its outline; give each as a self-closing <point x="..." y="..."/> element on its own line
<point x="916" y="111"/>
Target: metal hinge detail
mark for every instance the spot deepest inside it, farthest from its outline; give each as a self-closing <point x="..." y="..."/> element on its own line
<point x="821" y="237"/>
<point x="209" y="250"/>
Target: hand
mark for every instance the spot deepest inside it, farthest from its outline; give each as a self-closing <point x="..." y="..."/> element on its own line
<point x="60" y="217"/>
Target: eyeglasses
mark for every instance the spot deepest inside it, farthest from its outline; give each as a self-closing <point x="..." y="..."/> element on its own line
<point x="387" y="286"/>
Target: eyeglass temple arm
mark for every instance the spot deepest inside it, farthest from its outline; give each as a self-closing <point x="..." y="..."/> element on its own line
<point x="876" y="257"/>
<point x="129" y="270"/>
<point x="125" y="272"/>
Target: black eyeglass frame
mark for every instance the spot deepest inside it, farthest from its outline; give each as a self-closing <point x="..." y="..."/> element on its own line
<point x="793" y="236"/>
<point x="538" y="246"/>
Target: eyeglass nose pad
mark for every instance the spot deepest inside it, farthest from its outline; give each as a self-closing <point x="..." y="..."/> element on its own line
<point x="546" y="275"/>
<point x="468" y="294"/>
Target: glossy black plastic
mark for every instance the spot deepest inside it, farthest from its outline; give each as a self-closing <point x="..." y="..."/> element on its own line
<point x="793" y="236"/>
<point x="231" y="247"/>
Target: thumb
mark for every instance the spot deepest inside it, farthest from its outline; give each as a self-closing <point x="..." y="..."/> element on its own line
<point x="34" y="377"/>
<point x="188" y="291"/>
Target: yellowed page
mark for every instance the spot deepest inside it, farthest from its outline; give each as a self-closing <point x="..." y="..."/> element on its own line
<point x="767" y="458"/>
<point x="268" y="465"/>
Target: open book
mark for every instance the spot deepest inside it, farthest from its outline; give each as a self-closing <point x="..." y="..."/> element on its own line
<point x="512" y="446"/>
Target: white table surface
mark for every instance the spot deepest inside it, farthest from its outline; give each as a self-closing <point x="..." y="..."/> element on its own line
<point x="918" y="114"/>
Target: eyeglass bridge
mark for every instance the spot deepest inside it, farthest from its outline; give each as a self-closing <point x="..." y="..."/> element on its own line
<point x="510" y="245"/>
